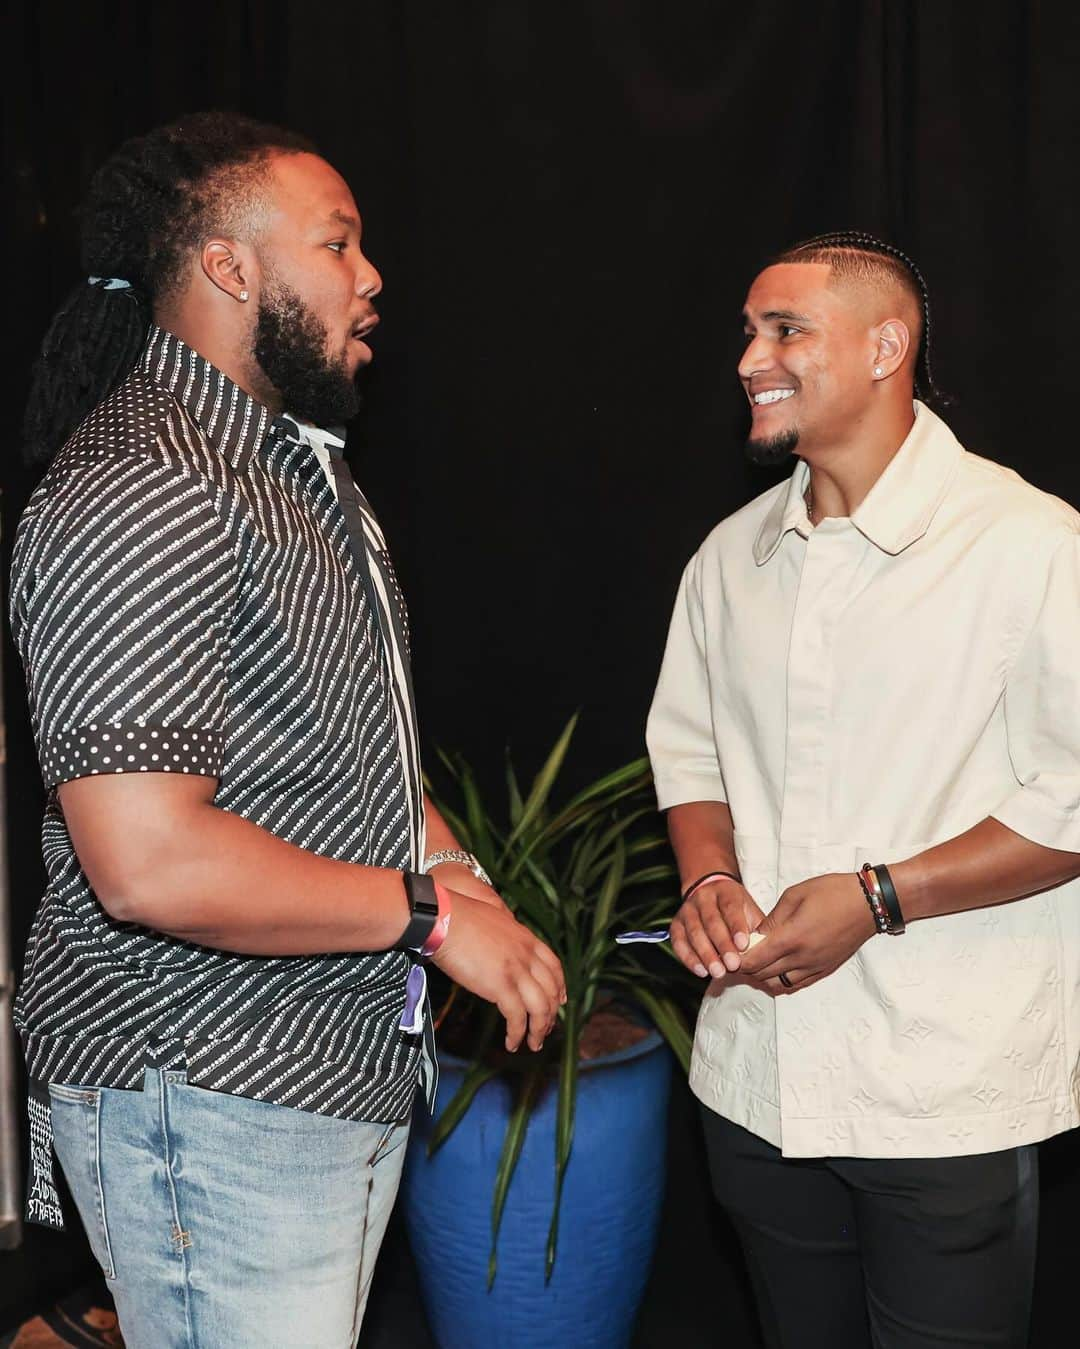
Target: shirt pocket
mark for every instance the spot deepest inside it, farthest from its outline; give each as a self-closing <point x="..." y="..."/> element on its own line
<point x="76" y="1126"/>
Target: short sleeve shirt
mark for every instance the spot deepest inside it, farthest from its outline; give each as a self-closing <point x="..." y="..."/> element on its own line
<point x="857" y="692"/>
<point x="189" y="597"/>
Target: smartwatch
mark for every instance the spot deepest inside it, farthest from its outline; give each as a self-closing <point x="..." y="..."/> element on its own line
<point x="423" y="911"/>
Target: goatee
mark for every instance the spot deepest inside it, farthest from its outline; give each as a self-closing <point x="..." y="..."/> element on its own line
<point x="769" y="453"/>
<point x="290" y="347"/>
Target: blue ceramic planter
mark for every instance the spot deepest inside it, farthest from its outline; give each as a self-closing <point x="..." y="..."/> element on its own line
<point x="611" y="1207"/>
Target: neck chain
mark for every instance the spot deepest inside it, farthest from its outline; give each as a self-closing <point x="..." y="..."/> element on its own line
<point x="808" y="497"/>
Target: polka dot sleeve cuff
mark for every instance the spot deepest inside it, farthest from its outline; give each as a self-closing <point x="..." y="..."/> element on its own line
<point x="124" y="747"/>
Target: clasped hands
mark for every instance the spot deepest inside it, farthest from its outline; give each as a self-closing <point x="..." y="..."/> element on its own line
<point x="815" y="927"/>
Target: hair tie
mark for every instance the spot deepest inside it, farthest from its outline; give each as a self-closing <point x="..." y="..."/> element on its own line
<point x="109" y="282"/>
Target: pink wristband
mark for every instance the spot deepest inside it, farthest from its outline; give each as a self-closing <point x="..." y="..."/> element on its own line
<point x="437" y="935"/>
<point x="708" y="879"/>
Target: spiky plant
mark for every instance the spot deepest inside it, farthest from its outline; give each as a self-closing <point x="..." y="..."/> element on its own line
<point x="576" y="874"/>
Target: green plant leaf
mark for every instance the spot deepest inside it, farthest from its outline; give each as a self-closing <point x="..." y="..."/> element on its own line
<point x="543" y="783"/>
<point x="605" y="841"/>
<point x="641" y="845"/>
<point x="448" y="762"/>
<point x="459" y="1103"/>
<point x="543" y="882"/>
<point x="531" y="905"/>
<point x="581" y="859"/>
<point x="477" y="817"/>
<point x="564" y="1122"/>
<point x="636" y="772"/>
<point x="536" y="913"/>
<point x="475" y="1076"/>
<point x="610" y="889"/>
<point x="458" y="827"/>
<point x="622" y="823"/>
<point x="573" y="816"/>
<point x="583" y="818"/>
<point x="648" y="875"/>
<point x="513" y="792"/>
<point x="515" y="1136"/>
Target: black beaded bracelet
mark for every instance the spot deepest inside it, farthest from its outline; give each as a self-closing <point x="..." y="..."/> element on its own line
<point x="891" y="901"/>
<point x="877" y="904"/>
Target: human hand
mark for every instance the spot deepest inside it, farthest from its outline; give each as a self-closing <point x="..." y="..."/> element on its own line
<point x="815" y="927"/>
<point x="713" y="926"/>
<point x="490" y="953"/>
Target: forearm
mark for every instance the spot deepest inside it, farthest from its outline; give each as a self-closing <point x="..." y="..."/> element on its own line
<point x="439" y="834"/>
<point x="440" y="838"/>
<point x="702" y="838"/>
<point x="987" y="865"/>
<point x="212" y="877"/>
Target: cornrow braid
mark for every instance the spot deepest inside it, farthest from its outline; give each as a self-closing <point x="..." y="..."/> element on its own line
<point x="821" y="246"/>
<point x="148" y="207"/>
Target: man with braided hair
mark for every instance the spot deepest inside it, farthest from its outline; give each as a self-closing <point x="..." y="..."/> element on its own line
<point x="223" y="1007"/>
<point x="865" y="734"/>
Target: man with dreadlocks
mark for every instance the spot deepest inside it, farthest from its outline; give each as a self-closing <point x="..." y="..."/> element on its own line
<point x="223" y="1008"/>
<point x="865" y="734"/>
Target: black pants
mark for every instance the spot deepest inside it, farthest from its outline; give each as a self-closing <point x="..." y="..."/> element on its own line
<point x="847" y="1253"/>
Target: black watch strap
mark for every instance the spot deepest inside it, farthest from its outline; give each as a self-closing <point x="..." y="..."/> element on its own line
<point x="423" y="911"/>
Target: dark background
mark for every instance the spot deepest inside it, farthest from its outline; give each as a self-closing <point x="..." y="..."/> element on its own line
<point x="567" y="204"/>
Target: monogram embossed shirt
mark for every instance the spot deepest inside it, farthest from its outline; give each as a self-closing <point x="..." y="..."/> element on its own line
<point x="861" y="691"/>
<point x="190" y="596"/>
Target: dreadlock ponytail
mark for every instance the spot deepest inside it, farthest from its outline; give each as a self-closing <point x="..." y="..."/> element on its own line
<point x="148" y="207"/>
<point x="92" y="343"/>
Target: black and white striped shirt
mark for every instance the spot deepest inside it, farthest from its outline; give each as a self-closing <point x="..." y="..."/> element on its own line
<point x="189" y="595"/>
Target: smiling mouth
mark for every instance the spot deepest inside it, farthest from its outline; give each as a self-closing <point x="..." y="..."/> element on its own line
<point x="771" y="396"/>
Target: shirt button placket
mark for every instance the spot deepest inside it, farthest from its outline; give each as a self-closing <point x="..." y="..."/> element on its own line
<point x="799" y="1043"/>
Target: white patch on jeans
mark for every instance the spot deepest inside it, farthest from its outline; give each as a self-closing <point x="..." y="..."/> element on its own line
<point x="42" y="1200"/>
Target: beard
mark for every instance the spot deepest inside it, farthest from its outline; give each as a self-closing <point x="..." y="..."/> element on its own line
<point x="769" y="453"/>
<point x="290" y="348"/>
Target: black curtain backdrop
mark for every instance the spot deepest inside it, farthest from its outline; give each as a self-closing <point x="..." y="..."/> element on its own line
<point x="567" y="204"/>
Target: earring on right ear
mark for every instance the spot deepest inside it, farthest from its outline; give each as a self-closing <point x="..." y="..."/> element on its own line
<point x="878" y="371"/>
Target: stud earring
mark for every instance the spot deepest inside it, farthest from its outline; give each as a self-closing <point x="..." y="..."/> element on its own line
<point x="877" y="368"/>
<point x="243" y="295"/>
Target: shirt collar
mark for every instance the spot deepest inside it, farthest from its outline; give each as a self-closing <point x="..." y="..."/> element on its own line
<point x="898" y="509"/>
<point x="233" y="421"/>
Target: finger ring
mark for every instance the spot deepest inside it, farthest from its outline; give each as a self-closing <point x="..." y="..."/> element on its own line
<point x="786" y="981"/>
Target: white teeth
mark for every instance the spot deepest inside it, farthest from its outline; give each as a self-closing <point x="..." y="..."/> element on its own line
<point x="773" y="396"/>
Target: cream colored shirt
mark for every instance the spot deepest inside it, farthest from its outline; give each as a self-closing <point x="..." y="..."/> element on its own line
<point x="858" y="692"/>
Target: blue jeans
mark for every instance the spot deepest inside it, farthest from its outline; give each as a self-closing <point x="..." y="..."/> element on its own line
<point x="222" y="1222"/>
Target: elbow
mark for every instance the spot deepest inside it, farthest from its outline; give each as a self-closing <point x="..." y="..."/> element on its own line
<point x="122" y="901"/>
<point x="135" y="892"/>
